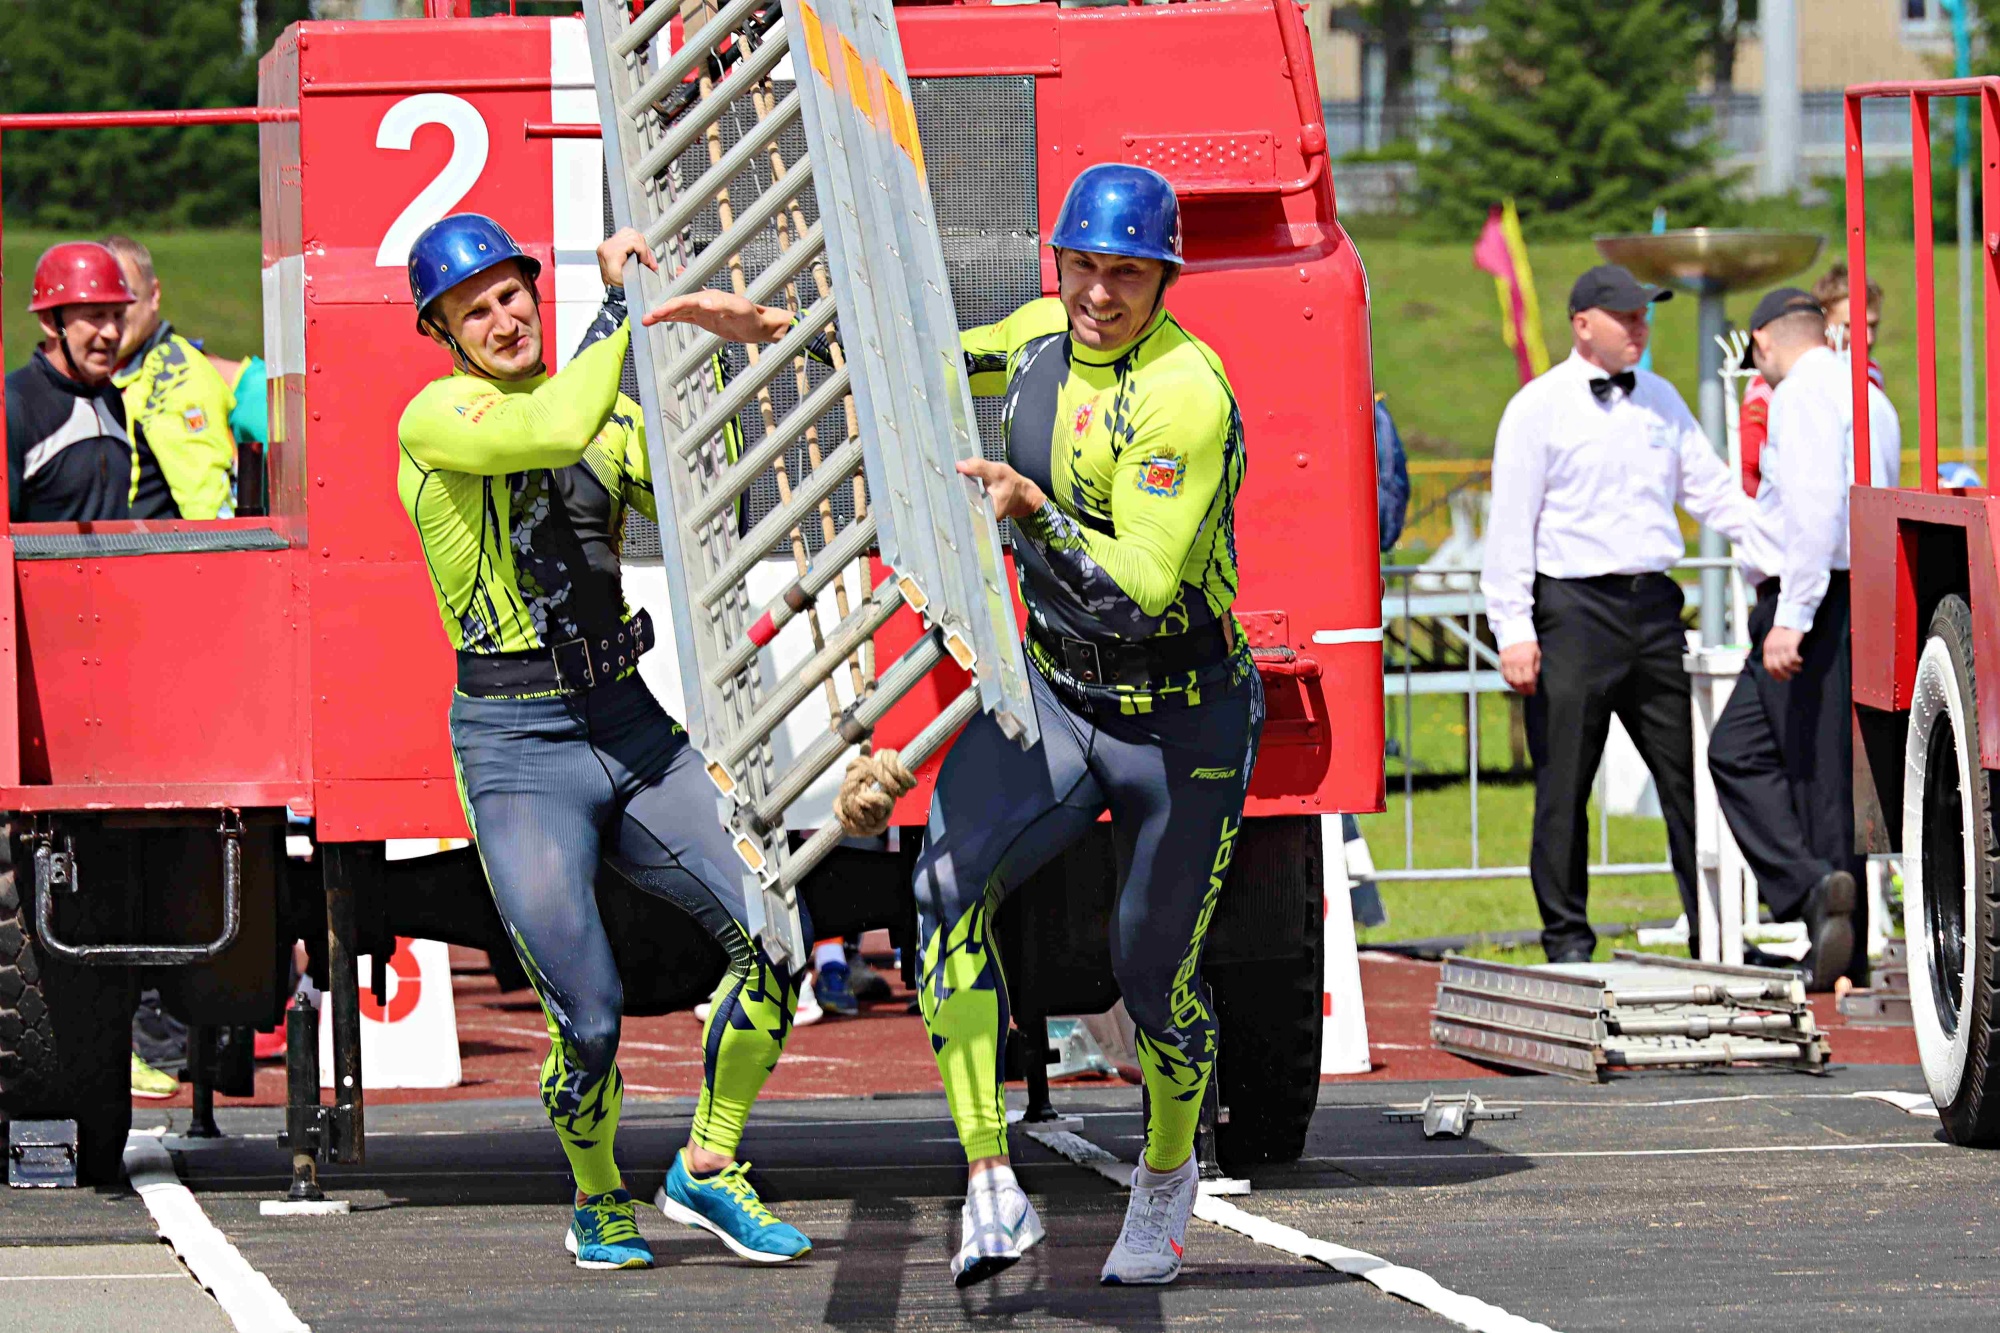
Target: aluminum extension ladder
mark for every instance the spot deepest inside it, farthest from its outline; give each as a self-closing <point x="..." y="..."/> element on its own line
<point x="702" y="133"/>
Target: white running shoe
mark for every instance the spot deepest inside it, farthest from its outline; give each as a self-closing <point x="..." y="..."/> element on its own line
<point x="997" y="1226"/>
<point x="808" y="1012"/>
<point x="1156" y="1217"/>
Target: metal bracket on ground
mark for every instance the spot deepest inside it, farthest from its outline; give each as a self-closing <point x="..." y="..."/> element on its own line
<point x="1451" y="1117"/>
<point x="41" y="1154"/>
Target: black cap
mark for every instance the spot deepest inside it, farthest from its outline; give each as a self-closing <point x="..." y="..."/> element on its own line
<point x="1612" y="287"/>
<point x="1776" y="304"/>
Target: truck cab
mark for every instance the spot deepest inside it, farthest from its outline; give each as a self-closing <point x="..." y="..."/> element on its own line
<point x="315" y="684"/>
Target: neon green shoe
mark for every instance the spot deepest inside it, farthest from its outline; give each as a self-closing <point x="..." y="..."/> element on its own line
<point x="149" y="1082"/>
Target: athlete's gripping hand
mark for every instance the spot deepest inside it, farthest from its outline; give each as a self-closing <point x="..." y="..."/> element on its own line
<point x="626" y="243"/>
<point x="724" y="314"/>
<point x="1013" y="495"/>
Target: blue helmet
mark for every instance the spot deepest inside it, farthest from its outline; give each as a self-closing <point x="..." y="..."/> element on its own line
<point x="454" y="248"/>
<point x="1114" y="208"/>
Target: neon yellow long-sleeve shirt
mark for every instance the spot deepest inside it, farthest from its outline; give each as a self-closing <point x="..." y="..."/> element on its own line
<point x="481" y="463"/>
<point x="1140" y="453"/>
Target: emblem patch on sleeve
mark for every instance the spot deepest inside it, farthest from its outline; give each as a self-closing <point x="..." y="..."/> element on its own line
<point x="195" y="418"/>
<point x="1162" y="475"/>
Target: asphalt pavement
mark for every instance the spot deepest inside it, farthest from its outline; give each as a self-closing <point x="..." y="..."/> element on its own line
<point x="1664" y="1201"/>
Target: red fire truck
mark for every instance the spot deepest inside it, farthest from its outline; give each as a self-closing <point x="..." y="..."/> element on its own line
<point x="172" y="694"/>
<point x="1926" y="590"/>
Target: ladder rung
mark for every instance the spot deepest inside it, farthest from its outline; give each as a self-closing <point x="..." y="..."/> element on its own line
<point x="905" y="675"/>
<point x="835" y="468"/>
<point x="699" y="46"/>
<point x="742" y="474"/>
<point x="716" y="179"/>
<point x="921" y="747"/>
<point x="656" y="16"/>
<point x="697" y="121"/>
<point x="841" y="644"/>
<point x="852" y="543"/>
<point x="744" y="386"/>
<point x="763" y="213"/>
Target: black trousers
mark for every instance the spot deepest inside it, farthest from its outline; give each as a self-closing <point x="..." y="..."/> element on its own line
<point x="1783" y="758"/>
<point x="1610" y="645"/>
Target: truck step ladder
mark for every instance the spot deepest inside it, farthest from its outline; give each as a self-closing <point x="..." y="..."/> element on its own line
<point x="702" y="132"/>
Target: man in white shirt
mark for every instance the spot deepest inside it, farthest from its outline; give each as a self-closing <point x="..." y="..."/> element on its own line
<point x="1588" y="464"/>
<point x="1783" y="750"/>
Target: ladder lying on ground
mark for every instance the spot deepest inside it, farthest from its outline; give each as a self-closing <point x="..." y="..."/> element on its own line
<point x="703" y="148"/>
<point x="1634" y="1011"/>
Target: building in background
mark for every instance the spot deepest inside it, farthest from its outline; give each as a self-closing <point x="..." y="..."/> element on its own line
<point x="1382" y="62"/>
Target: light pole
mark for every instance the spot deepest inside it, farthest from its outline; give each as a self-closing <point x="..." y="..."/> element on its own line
<point x="1778" y="21"/>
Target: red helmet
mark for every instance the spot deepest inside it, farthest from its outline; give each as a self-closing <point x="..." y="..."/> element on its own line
<point x="79" y="273"/>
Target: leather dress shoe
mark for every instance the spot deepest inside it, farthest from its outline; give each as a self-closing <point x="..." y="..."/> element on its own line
<point x="1829" y="918"/>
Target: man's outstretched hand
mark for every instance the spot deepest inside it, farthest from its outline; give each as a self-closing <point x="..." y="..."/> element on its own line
<point x="724" y="314"/>
<point x="1013" y="495"/>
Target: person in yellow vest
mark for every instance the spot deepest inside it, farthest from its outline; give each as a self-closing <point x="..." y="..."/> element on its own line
<point x="176" y="396"/>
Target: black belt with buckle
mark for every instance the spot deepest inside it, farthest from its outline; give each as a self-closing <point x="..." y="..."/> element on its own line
<point x="1134" y="663"/>
<point x="569" y="668"/>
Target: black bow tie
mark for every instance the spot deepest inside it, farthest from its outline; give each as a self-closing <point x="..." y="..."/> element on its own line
<point x="1600" y="388"/>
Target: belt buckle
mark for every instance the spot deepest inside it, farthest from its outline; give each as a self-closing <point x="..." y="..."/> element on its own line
<point x="589" y="671"/>
<point x="1082" y="660"/>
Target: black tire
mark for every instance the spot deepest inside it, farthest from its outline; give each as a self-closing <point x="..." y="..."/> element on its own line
<point x="1267" y="1063"/>
<point x="1951" y="885"/>
<point x="65" y="1036"/>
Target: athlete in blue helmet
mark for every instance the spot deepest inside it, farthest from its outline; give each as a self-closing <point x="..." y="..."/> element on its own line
<point x="1124" y="456"/>
<point x="517" y="482"/>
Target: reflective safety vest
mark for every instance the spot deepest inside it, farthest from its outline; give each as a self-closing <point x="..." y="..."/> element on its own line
<point x="175" y="395"/>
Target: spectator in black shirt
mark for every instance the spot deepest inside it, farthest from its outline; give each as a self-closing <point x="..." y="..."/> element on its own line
<point x="70" y="457"/>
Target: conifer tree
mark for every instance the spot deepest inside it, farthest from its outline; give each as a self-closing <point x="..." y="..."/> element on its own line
<point x="1578" y="110"/>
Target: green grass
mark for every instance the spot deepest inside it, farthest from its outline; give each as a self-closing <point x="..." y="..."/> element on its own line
<point x="1421" y="908"/>
<point x="211" y="282"/>
<point x="1439" y="358"/>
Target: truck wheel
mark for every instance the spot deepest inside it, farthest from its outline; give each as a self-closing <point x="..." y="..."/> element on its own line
<point x="1268" y="1055"/>
<point x="65" y="1038"/>
<point x="1951" y="885"/>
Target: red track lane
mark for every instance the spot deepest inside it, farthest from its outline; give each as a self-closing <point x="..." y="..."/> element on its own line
<point x="502" y="1041"/>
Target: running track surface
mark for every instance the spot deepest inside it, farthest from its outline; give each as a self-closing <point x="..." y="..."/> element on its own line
<point x="884" y="1050"/>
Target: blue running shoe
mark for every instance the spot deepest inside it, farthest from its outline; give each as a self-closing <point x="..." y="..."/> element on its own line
<point x="831" y="988"/>
<point x="604" y="1234"/>
<point x="726" y="1204"/>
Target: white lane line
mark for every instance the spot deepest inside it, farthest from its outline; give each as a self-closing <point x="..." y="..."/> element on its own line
<point x="1623" y="1152"/>
<point x="244" y="1294"/>
<point x="1409" y="1284"/>
<point x="92" y="1277"/>
<point x="1915" y="1103"/>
